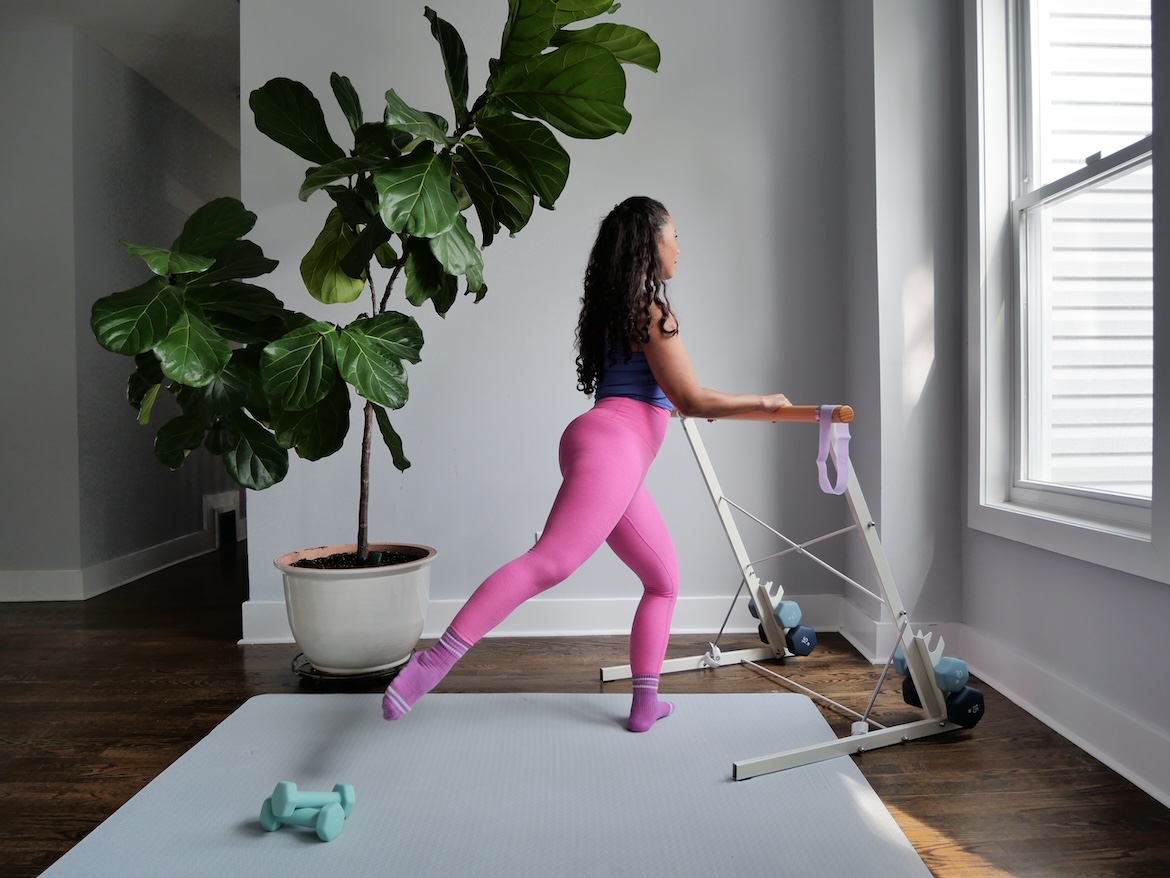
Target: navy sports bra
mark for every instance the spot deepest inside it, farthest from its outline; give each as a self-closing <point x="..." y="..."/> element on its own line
<point x="633" y="379"/>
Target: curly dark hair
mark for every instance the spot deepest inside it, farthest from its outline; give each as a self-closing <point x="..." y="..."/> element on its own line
<point x="622" y="280"/>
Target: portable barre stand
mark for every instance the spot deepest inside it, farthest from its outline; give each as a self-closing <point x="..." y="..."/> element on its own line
<point x="920" y="658"/>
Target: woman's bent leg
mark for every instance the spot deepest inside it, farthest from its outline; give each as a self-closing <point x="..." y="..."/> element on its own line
<point x="643" y="543"/>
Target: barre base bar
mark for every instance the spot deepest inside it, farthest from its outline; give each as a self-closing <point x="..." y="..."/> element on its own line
<point x="695" y="663"/>
<point x="854" y="744"/>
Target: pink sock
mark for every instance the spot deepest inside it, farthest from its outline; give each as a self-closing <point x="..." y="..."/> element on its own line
<point x="646" y="708"/>
<point x="422" y="674"/>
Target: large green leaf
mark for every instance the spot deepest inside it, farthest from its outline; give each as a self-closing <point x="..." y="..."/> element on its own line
<point x="246" y="361"/>
<point x="415" y="193"/>
<point x="134" y="321"/>
<point x="400" y="116"/>
<point x="628" y="44"/>
<point x="391" y="438"/>
<point x="228" y="391"/>
<point x="299" y="369"/>
<point x="369" y="240"/>
<point x="426" y="280"/>
<point x="366" y="365"/>
<point x="222" y="436"/>
<point x="496" y="190"/>
<point x="257" y="461"/>
<point x="168" y="262"/>
<point x="378" y="138"/>
<point x="348" y="100"/>
<point x="319" y="430"/>
<point x="532" y="150"/>
<point x="287" y="111"/>
<point x="530" y="26"/>
<point x="399" y="335"/>
<point x="235" y="297"/>
<point x="321" y="267"/>
<point x="234" y="260"/>
<point x="176" y="439"/>
<point x="213" y="225"/>
<point x="579" y="89"/>
<point x="320" y="177"/>
<point x="454" y="62"/>
<point x="456" y="251"/>
<point x="569" y="11"/>
<point x="192" y="353"/>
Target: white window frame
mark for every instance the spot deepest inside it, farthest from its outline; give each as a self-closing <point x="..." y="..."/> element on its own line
<point x="1121" y="535"/>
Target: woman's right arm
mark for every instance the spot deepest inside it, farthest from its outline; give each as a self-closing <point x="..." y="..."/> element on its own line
<point x="673" y="371"/>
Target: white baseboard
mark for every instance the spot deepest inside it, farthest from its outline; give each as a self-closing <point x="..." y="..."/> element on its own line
<point x="78" y="585"/>
<point x="1133" y="749"/>
<point x="88" y="582"/>
<point x="267" y="621"/>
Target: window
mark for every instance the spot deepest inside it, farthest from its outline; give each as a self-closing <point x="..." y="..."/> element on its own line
<point x="1063" y="338"/>
<point x="1083" y="216"/>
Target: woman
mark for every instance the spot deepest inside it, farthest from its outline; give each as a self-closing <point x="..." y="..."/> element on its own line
<point x="631" y="358"/>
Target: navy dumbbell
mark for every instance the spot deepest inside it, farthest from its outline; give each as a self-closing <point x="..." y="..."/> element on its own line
<point x="801" y="639"/>
<point x="964" y="708"/>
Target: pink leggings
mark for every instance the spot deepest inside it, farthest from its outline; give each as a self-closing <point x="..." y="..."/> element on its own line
<point x="604" y="454"/>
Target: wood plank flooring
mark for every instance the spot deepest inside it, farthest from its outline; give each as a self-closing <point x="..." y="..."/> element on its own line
<point x="98" y="697"/>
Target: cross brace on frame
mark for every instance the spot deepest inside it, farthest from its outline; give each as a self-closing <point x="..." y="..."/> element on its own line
<point x="919" y="658"/>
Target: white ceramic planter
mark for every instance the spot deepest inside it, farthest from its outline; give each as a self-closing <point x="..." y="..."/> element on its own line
<point x="357" y="621"/>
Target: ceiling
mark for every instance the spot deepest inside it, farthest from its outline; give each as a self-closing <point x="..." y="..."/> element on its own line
<point x="188" y="49"/>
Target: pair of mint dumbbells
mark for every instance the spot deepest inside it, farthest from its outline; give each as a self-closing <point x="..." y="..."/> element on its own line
<point x="323" y="812"/>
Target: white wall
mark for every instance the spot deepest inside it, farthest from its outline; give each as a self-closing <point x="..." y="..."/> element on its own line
<point x="919" y="164"/>
<point x="40" y="482"/>
<point x="90" y="153"/>
<point x="903" y="129"/>
<point x="739" y="134"/>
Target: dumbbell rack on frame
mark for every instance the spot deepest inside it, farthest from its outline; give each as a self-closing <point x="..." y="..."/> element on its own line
<point x="915" y="646"/>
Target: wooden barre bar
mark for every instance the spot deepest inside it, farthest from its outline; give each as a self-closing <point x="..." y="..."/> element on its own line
<point x="806" y="414"/>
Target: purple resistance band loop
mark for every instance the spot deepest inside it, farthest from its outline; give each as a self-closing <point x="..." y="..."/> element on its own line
<point x="841" y="458"/>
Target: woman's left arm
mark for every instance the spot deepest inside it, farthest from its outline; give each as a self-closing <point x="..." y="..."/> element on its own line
<point x="674" y="373"/>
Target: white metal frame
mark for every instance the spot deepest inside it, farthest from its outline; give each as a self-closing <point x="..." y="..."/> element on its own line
<point x="916" y="647"/>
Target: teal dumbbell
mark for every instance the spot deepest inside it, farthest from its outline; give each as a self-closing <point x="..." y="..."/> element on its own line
<point x="950" y="674"/>
<point x="900" y="667"/>
<point x="327" y="821"/>
<point x="786" y="613"/>
<point x="286" y="798"/>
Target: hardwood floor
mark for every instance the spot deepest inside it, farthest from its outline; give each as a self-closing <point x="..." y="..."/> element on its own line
<point x="100" y="696"/>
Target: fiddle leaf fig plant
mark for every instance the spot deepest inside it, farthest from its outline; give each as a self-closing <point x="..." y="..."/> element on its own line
<point x="253" y="379"/>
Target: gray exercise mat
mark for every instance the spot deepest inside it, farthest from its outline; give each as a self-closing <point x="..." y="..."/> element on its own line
<point x="507" y="785"/>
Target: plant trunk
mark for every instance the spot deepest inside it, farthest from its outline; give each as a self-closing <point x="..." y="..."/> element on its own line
<point x="363" y="534"/>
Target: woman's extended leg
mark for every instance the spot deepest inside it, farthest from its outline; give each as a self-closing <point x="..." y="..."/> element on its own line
<point x="643" y="543"/>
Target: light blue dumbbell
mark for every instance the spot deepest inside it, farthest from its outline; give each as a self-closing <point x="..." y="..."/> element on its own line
<point x="327" y="821"/>
<point x="900" y="663"/>
<point x="286" y="798"/>
<point x="786" y="613"/>
<point x="950" y="674"/>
